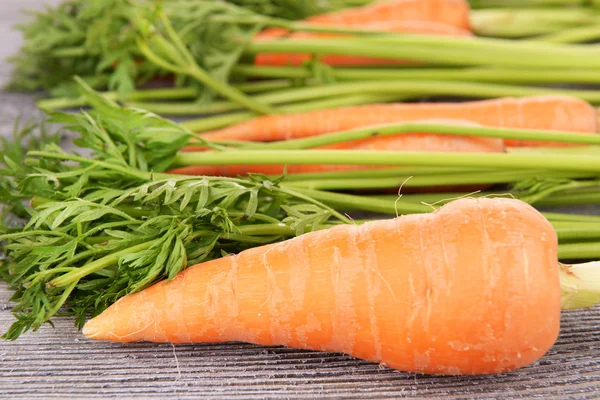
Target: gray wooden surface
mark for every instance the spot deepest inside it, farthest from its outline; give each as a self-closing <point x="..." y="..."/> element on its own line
<point x="60" y="363"/>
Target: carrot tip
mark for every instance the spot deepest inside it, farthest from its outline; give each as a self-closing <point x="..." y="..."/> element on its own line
<point x="91" y="329"/>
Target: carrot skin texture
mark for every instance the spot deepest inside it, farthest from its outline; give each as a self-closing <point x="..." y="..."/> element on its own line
<point x="472" y="288"/>
<point x="534" y="112"/>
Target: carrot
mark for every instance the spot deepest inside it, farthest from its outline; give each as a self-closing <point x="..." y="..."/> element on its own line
<point x="436" y="17"/>
<point x="470" y="289"/>
<point x="424" y="28"/>
<point x="449" y="12"/>
<point x="535" y="112"/>
<point x="411" y="142"/>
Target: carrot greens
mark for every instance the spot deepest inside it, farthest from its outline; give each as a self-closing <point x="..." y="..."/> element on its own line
<point x="109" y="223"/>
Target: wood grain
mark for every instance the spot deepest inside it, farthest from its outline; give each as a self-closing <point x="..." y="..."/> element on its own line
<point x="59" y="363"/>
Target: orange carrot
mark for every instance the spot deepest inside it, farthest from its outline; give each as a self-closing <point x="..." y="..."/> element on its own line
<point x="424" y="28"/>
<point x="472" y="288"/>
<point x="536" y="112"/>
<point x="448" y="12"/>
<point x="410" y="142"/>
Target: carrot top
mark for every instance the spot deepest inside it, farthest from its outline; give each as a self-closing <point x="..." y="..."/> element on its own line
<point x="106" y="225"/>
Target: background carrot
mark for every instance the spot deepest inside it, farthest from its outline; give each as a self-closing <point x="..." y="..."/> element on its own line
<point x="436" y="17"/>
<point x="400" y="26"/>
<point x="534" y="112"/>
<point x="449" y="12"/>
<point x="470" y="289"/>
<point x="411" y="142"/>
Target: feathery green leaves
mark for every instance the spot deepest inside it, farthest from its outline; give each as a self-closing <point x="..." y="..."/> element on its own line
<point x="105" y="221"/>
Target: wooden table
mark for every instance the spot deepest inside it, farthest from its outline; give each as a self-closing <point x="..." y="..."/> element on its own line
<point x="60" y="363"/>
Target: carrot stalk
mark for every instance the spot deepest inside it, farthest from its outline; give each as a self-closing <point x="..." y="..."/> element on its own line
<point x="393" y="205"/>
<point x="441" y="127"/>
<point x="578" y="34"/>
<point x="408" y="180"/>
<point x="440" y="51"/>
<point x="148" y="97"/>
<point x="576" y="234"/>
<point x="288" y="97"/>
<point x="350" y="202"/>
<point x="112" y="259"/>
<point x="388" y="173"/>
<point x="174" y="93"/>
<point x="580" y="285"/>
<point x="517" y="23"/>
<point x="437" y="88"/>
<point x="562" y="198"/>
<point x="476" y="4"/>
<point x="478" y="74"/>
<point x="579" y="251"/>
<point x="554" y="162"/>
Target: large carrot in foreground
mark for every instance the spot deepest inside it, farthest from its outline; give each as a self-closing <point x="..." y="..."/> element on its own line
<point x="403" y="142"/>
<point x="470" y="289"/>
<point x="536" y="112"/>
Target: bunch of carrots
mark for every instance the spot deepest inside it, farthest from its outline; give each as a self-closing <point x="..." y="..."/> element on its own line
<point x="329" y="114"/>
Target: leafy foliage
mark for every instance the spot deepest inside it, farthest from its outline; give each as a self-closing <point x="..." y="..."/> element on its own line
<point x="294" y="10"/>
<point x="27" y="136"/>
<point x="109" y="223"/>
<point x="100" y="40"/>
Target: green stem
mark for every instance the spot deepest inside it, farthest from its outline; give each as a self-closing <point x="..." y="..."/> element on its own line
<point x="264" y="86"/>
<point x="406" y="180"/>
<point x="567" y="198"/>
<point x="381" y="173"/>
<point x="229" y="92"/>
<point x="579" y="251"/>
<point x="572" y="217"/>
<point x="579" y="34"/>
<point x="437" y="128"/>
<point x="578" y="234"/>
<point x="438" y="88"/>
<point x="312" y="200"/>
<point x="516" y="23"/>
<point x="138" y="95"/>
<point x="111" y="259"/>
<point x="553" y="162"/>
<point x="66" y="52"/>
<point x="476" y="4"/>
<point x="571" y="198"/>
<point x="293" y="95"/>
<point x="479" y="74"/>
<point x="63" y="298"/>
<point x="275" y="229"/>
<point x="109" y="166"/>
<point x="570" y="224"/>
<point x="441" y="51"/>
<point x="146" y="98"/>
<point x="350" y="202"/>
